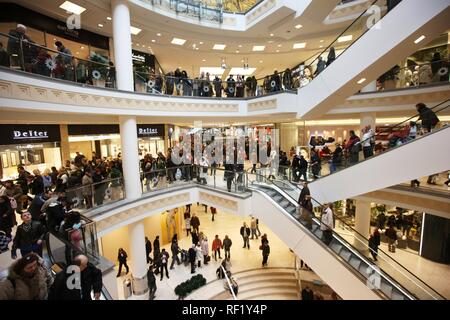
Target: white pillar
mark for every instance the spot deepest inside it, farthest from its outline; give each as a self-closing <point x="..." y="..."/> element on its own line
<point x="371" y="87"/>
<point x="138" y="262"/>
<point x="362" y="224"/>
<point x="369" y="118"/>
<point x="130" y="157"/>
<point x="122" y="44"/>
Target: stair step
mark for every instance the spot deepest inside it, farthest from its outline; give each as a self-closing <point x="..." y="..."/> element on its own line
<point x="264" y="291"/>
<point x="336" y="247"/>
<point x="270" y="278"/>
<point x="397" y="295"/>
<point x="272" y="286"/>
<point x="280" y="296"/>
<point x="386" y="288"/>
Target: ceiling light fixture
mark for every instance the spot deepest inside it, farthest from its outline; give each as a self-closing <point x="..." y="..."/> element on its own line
<point x="201" y="42"/>
<point x="298" y="26"/>
<point x="100" y="25"/>
<point x="135" y="31"/>
<point x="279" y="46"/>
<point x="300" y="45"/>
<point x="259" y="48"/>
<point x="178" y="41"/>
<point x="321" y="41"/>
<point x="153" y="40"/>
<point x="240" y="46"/>
<point x="271" y="34"/>
<point x="345" y="38"/>
<point x="362" y="80"/>
<point x="158" y="34"/>
<point x="72" y="7"/>
<point x="419" y="39"/>
<point x="108" y="18"/>
<point x="219" y="47"/>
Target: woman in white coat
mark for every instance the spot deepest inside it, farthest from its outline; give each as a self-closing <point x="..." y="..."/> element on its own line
<point x="203" y="169"/>
<point x="199" y="254"/>
<point x="205" y="250"/>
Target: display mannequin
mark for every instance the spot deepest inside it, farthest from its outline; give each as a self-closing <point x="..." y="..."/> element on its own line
<point x="170" y="224"/>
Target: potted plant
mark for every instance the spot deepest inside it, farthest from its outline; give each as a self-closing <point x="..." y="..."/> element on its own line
<point x="185" y="288"/>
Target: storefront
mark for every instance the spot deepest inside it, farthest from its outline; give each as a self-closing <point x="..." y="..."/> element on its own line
<point x="103" y="139"/>
<point x="32" y="146"/>
<point x="44" y="31"/>
<point x="151" y="139"/>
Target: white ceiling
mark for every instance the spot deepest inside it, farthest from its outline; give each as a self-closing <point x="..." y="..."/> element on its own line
<point x="170" y="56"/>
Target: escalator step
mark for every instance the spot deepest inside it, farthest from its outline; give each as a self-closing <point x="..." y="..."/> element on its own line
<point x="397" y="295"/>
<point x="336" y="247"/>
<point x="386" y="288"/>
<point x="355" y="262"/>
<point x="345" y="254"/>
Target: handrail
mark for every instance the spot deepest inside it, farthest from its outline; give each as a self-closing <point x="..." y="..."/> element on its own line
<point x="362" y="237"/>
<point x="229" y="282"/>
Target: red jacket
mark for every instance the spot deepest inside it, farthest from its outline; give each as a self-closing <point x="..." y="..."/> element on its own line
<point x="217" y="244"/>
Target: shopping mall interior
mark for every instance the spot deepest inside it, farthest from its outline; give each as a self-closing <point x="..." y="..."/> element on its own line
<point x="225" y="149"/>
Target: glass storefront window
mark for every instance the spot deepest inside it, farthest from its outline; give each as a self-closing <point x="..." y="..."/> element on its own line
<point x="151" y="146"/>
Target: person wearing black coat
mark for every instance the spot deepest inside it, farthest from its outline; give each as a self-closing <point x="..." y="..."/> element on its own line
<point x="55" y="214"/>
<point x="305" y="192"/>
<point x="148" y="249"/>
<point x="36" y="205"/>
<point x="122" y="257"/>
<point x="175" y="249"/>
<point x="192" y="256"/>
<point x="90" y="280"/>
<point x="156" y="249"/>
<point x="374" y="242"/>
<point x="229" y="174"/>
<point x="6" y="216"/>
<point x="29" y="236"/>
<point x="217" y="82"/>
<point x="427" y="116"/>
<point x="22" y="180"/>
<point x="303" y="168"/>
<point x="4" y="57"/>
<point x="331" y="56"/>
<point x="307" y="294"/>
<point x="195" y="222"/>
<point x="245" y="233"/>
<point x="151" y="281"/>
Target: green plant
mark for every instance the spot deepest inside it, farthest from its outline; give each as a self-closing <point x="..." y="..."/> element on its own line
<point x="184" y="288"/>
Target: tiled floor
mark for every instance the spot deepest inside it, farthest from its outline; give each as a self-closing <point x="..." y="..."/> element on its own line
<point x="241" y="259"/>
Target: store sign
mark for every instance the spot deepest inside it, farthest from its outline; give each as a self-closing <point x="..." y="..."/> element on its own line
<point x="25" y="134"/>
<point x="137" y="57"/>
<point x="150" y="130"/>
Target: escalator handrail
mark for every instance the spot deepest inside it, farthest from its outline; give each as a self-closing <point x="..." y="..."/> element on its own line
<point x="362" y="237"/>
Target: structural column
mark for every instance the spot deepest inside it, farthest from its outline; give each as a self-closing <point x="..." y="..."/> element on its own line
<point x="130" y="157"/>
<point x="362" y="224"/>
<point x="65" y="146"/>
<point x="369" y="118"/>
<point x="122" y="44"/>
<point x="138" y="262"/>
<point x="288" y="133"/>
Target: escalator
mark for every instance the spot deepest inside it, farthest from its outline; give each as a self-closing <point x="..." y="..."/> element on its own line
<point x="380" y="46"/>
<point x="393" y="164"/>
<point x="59" y="250"/>
<point x="348" y="270"/>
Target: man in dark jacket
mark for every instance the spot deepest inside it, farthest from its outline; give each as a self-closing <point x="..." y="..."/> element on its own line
<point x="305" y="192"/>
<point x="156" y="249"/>
<point x="29" y="236"/>
<point x="22" y="180"/>
<point x="265" y="253"/>
<point x="192" y="256"/>
<point x="4" y="57"/>
<point x="20" y="43"/>
<point x="245" y="233"/>
<point x="77" y="281"/>
<point x="175" y="249"/>
<point x="374" y="242"/>
<point x="218" y="86"/>
<point x="195" y="222"/>
<point x="307" y="294"/>
<point x="229" y="174"/>
<point x="148" y="249"/>
<point x="303" y="168"/>
<point x="427" y="116"/>
<point x="151" y="281"/>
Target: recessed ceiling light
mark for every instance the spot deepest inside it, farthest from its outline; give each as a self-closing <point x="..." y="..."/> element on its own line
<point x="345" y="38"/>
<point x="321" y="41"/>
<point x="240" y="46"/>
<point x="143" y="46"/>
<point x="72" y="7"/>
<point x="82" y="48"/>
<point x="137" y="44"/>
<point x="320" y="46"/>
<point x="153" y="40"/>
<point x="298" y="26"/>
<point x="362" y="80"/>
<point x="100" y="25"/>
<point x="280" y="45"/>
<point x="300" y="45"/>
<point x="196" y="48"/>
<point x="260" y="61"/>
<point x="237" y="51"/>
<point x="158" y="34"/>
<point x="278" y="50"/>
<point x="204" y="60"/>
<point x="259" y="48"/>
<point x="201" y="42"/>
<point x="242" y="60"/>
<point x="271" y="34"/>
<point x="219" y="47"/>
<point x="419" y="39"/>
<point x="78" y="52"/>
<point x="108" y="18"/>
<point x="178" y="41"/>
<point x="135" y="30"/>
